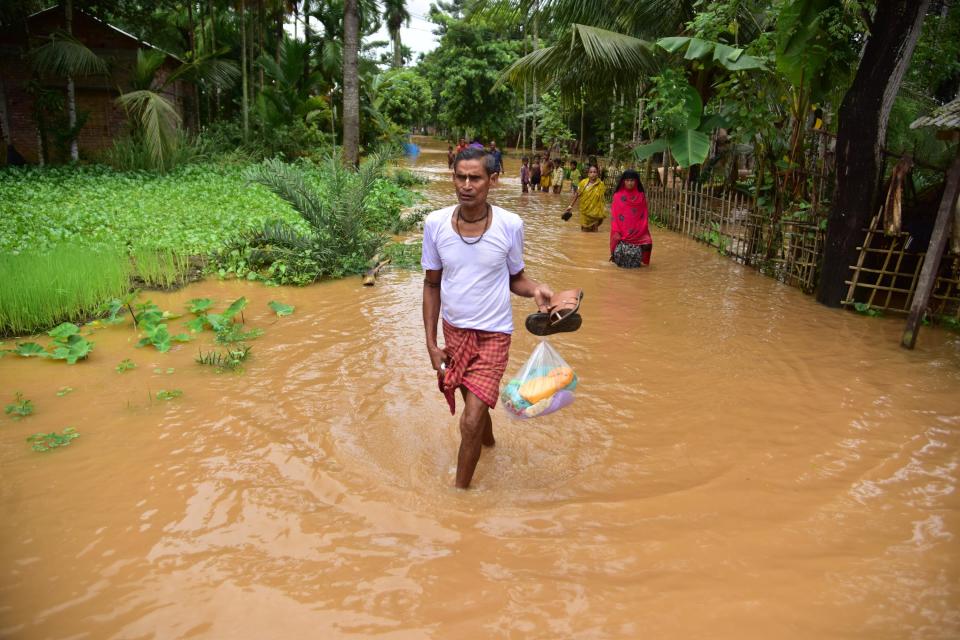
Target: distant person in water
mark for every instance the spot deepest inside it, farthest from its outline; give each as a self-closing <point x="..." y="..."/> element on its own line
<point x="535" y="174"/>
<point x="450" y="156"/>
<point x="475" y="144"/>
<point x="558" y="176"/>
<point x="630" y="241"/>
<point x="525" y="175"/>
<point x="574" y="176"/>
<point x="497" y="156"/>
<point x="546" y="178"/>
<point x="473" y="261"/>
<point x="590" y="194"/>
<point x="461" y="145"/>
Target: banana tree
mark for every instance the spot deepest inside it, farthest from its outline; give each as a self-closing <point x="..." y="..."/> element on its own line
<point x="686" y="135"/>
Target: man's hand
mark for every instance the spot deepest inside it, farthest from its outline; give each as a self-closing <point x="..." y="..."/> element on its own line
<point x="437" y="356"/>
<point x="542" y="295"/>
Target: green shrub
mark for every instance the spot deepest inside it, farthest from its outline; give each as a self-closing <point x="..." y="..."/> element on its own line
<point x="348" y="213"/>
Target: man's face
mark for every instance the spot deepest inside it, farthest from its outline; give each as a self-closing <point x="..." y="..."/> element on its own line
<point x="472" y="182"/>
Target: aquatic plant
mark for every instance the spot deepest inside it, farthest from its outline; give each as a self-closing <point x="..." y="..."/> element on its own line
<point x="191" y="210"/>
<point x="229" y="359"/>
<point x="47" y="441"/>
<point x="67" y="344"/>
<point x="169" y="395"/>
<point x="281" y="309"/>
<point x="20" y="407"/>
<point x="125" y="365"/>
<point x="151" y="322"/>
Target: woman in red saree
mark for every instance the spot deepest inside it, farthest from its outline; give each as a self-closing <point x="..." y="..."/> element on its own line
<point x="630" y="241"/>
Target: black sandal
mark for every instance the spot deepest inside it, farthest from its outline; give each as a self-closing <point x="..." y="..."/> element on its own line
<point x="561" y="318"/>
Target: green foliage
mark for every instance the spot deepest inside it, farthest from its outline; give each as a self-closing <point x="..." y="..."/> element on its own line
<point x="730" y="58"/>
<point x="160" y="268"/>
<point x="229" y="359"/>
<point x="407" y="178"/>
<point x="151" y="322"/>
<point x="234" y="333"/>
<point x="470" y="98"/>
<point x="552" y="121"/>
<point x="866" y="310"/>
<point x="62" y="391"/>
<point x="65" y="282"/>
<point x="125" y="365"/>
<point x="169" y="395"/>
<point x="20" y="408"/>
<point x="949" y="322"/>
<point x="404" y="97"/>
<point x="347" y="213"/>
<point x="191" y="210"/>
<point x="403" y="255"/>
<point x="46" y="441"/>
<point x="67" y="345"/>
<point x="281" y="309"/>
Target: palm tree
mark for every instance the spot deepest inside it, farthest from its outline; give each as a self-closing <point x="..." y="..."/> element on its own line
<point x="155" y="119"/>
<point x="64" y="55"/>
<point x="351" y="83"/>
<point x="289" y="87"/>
<point x="396" y="14"/>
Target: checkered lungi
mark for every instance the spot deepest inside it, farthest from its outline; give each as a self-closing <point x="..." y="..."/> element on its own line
<point x="476" y="360"/>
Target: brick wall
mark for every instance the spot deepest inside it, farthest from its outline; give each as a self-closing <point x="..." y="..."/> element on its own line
<point x="106" y="120"/>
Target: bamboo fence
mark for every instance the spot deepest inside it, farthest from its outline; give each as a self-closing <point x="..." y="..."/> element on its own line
<point x="791" y="249"/>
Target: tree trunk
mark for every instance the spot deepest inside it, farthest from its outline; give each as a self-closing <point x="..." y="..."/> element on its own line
<point x="244" y="105"/>
<point x="193" y="53"/>
<point x="397" y="50"/>
<point x="71" y="90"/>
<point x="536" y="45"/>
<point x="583" y="110"/>
<point x="213" y="47"/>
<point x="862" y="131"/>
<point x="351" y="84"/>
<point x="307" y="36"/>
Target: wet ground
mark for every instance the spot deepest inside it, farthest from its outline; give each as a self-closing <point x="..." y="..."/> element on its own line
<point x="740" y="463"/>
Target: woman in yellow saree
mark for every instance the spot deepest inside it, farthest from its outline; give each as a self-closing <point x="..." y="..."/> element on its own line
<point x="592" y="207"/>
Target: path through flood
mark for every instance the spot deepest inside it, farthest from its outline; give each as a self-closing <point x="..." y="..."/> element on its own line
<point x="740" y="463"/>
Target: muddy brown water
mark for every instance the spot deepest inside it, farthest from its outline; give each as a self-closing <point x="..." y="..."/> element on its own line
<point x="739" y="463"/>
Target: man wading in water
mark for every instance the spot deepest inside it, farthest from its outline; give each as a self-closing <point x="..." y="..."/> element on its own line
<point x="473" y="259"/>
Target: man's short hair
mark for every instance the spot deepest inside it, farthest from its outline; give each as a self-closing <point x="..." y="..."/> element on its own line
<point x="473" y="153"/>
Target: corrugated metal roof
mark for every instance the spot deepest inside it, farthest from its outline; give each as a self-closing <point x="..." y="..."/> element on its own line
<point x="945" y="117"/>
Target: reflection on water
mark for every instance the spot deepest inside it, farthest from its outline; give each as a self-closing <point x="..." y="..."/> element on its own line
<point x="740" y="463"/>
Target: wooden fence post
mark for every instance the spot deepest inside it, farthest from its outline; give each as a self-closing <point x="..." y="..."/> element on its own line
<point x="931" y="262"/>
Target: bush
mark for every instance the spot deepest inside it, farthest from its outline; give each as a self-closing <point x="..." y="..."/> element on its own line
<point x="347" y="212"/>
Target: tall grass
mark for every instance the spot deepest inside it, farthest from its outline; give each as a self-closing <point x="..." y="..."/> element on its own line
<point x="161" y="268"/>
<point x="68" y="283"/>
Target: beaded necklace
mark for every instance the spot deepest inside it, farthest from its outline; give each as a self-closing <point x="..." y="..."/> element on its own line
<point x="485" y="226"/>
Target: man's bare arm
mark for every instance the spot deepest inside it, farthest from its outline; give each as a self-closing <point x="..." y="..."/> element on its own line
<point x="431" y="315"/>
<point x="526" y="287"/>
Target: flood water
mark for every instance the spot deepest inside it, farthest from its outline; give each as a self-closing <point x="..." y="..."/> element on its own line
<point x="740" y="463"/>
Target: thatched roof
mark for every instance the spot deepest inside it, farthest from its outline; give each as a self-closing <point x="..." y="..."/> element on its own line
<point x="945" y="117"/>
